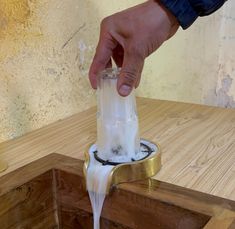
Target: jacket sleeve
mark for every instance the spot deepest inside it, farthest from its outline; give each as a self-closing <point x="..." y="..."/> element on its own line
<point x="187" y="11"/>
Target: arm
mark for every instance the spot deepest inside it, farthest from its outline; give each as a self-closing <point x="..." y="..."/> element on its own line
<point x="187" y="11"/>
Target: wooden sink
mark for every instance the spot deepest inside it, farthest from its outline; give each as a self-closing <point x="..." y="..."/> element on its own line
<point x="49" y="193"/>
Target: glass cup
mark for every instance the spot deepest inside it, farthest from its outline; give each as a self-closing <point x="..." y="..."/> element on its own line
<point x="117" y="121"/>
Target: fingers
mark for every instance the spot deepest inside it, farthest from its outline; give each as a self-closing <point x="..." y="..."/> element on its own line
<point x="102" y="58"/>
<point x="130" y="73"/>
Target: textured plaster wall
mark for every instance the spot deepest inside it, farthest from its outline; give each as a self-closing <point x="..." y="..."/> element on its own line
<point x="46" y="48"/>
<point x="197" y="65"/>
<point x="45" y="52"/>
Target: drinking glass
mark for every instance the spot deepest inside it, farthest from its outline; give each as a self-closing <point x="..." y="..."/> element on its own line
<point x="117" y="121"/>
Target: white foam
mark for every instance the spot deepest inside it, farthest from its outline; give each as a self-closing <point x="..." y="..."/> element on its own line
<point x="97" y="179"/>
<point x="117" y="137"/>
<point x="117" y="121"/>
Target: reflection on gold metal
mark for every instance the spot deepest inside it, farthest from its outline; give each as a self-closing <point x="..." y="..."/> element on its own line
<point x="3" y="166"/>
<point x="130" y="172"/>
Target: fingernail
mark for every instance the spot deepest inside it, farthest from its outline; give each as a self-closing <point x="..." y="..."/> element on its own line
<point x="125" y="90"/>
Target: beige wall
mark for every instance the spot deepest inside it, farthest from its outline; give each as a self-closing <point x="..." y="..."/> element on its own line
<point x="46" y="48"/>
<point x="197" y="65"/>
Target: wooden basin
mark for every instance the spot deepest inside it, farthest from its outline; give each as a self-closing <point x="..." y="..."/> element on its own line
<point x="50" y="193"/>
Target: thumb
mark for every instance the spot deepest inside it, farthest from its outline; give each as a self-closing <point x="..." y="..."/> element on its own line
<point x="130" y="73"/>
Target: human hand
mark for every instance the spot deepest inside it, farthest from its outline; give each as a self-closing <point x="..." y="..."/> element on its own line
<point x="129" y="37"/>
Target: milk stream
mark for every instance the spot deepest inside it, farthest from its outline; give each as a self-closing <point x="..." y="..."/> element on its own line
<point x="117" y="137"/>
<point x="97" y="178"/>
<point x="117" y="141"/>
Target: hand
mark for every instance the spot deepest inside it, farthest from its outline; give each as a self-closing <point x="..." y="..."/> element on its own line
<point x="129" y="37"/>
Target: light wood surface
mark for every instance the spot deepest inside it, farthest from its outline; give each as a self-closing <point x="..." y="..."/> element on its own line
<point x="197" y="142"/>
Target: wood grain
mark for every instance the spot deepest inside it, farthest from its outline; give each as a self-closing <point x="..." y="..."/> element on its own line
<point x="30" y="205"/>
<point x="126" y="209"/>
<point x="197" y="142"/>
<point x="53" y="196"/>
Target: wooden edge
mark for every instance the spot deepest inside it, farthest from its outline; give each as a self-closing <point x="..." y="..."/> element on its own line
<point x="151" y="188"/>
<point x="28" y="172"/>
<point x="223" y="220"/>
<point x="180" y="196"/>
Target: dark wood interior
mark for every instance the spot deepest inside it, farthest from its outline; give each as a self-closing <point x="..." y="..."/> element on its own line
<point x="56" y="198"/>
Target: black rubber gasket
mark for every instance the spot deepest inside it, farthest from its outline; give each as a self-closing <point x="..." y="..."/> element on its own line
<point x="107" y="162"/>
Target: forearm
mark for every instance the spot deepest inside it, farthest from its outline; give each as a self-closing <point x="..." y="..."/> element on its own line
<point x="187" y="11"/>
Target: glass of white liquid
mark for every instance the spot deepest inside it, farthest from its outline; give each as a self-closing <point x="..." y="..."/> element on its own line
<point x="117" y="122"/>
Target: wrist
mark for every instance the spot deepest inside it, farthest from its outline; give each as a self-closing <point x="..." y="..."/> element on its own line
<point x="172" y="20"/>
<point x="182" y="10"/>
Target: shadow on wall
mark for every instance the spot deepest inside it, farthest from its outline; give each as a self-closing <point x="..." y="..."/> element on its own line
<point x="45" y="53"/>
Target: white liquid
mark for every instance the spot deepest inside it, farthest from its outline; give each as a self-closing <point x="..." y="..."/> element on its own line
<point x="117" y="121"/>
<point x="97" y="178"/>
<point x="118" y="141"/>
<point x="117" y="137"/>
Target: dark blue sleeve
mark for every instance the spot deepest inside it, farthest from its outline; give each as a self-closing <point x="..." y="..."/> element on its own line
<point x="187" y="11"/>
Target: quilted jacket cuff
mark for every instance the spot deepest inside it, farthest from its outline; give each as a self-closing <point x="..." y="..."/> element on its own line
<point x="182" y="10"/>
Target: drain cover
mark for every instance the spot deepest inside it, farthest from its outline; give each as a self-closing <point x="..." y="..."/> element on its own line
<point x="144" y="149"/>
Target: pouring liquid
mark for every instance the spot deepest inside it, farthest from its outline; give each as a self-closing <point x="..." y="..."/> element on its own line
<point x="117" y="136"/>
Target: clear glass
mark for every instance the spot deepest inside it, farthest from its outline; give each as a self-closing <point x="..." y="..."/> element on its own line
<point x="117" y="121"/>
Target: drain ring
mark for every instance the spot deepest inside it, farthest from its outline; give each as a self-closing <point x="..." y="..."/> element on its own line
<point x="107" y="162"/>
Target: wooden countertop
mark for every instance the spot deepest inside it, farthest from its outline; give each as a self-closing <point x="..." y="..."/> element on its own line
<point x="197" y="143"/>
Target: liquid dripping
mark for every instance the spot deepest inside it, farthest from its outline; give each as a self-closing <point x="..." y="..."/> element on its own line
<point x="117" y="142"/>
<point x="97" y="178"/>
<point x="117" y="137"/>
